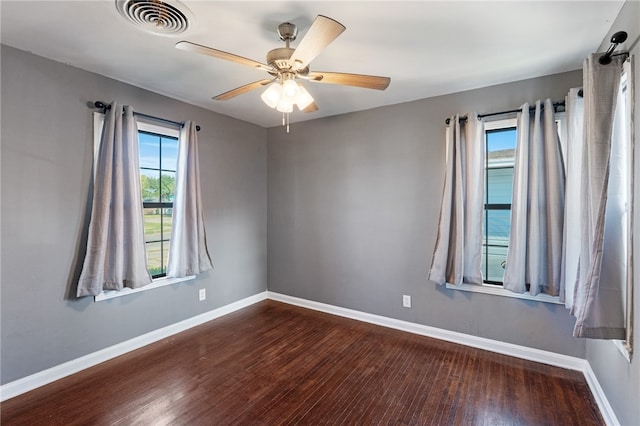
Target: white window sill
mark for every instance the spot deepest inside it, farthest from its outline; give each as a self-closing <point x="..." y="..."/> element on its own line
<point x="499" y="291"/>
<point x="158" y="282"/>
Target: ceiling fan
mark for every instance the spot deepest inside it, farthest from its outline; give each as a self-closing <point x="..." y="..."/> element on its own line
<point x="286" y="66"/>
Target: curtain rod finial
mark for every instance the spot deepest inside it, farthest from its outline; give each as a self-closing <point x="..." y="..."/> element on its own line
<point x="619" y="37"/>
<point x="101" y="105"/>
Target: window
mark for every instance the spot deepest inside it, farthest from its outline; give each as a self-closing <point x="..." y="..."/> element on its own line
<point x="500" y="148"/>
<point x="618" y="217"/>
<point x="500" y="141"/>
<point x="158" y="142"/>
<point x="158" y="159"/>
<point x="158" y="145"/>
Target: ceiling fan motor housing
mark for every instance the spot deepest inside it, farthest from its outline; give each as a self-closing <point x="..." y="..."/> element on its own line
<point x="279" y="58"/>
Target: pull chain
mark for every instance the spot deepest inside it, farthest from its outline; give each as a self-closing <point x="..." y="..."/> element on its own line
<point x="285" y="120"/>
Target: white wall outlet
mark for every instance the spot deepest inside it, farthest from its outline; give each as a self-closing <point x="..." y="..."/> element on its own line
<point x="202" y="294"/>
<point x="406" y="301"/>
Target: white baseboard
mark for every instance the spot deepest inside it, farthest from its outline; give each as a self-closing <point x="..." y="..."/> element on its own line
<point x="606" y="410"/>
<point x="52" y="374"/>
<point x="531" y="354"/>
<point x="44" y="377"/>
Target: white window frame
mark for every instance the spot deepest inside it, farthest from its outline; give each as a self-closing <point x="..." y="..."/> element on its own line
<point x="624" y="347"/>
<point x="489" y="126"/>
<point x="145" y="126"/>
<point x="498" y="290"/>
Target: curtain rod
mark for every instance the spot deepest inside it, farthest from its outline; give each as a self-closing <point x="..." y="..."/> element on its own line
<point x="490" y="114"/>
<point x="616" y="39"/>
<point x="104" y="107"/>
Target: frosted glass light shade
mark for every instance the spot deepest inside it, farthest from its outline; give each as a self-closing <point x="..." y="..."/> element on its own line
<point x="272" y="95"/>
<point x="278" y="96"/>
<point x="285" y="105"/>
<point x="290" y="89"/>
<point x="304" y="98"/>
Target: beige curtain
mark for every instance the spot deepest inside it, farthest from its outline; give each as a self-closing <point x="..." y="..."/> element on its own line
<point x="457" y="257"/>
<point x="188" y="252"/>
<point x="534" y="257"/>
<point x="116" y="253"/>
<point x="598" y="303"/>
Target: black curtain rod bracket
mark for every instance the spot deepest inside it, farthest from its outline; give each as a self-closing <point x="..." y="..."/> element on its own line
<point x="101" y="105"/>
<point x="105" y="107"/>
<point x="616" y="39"/>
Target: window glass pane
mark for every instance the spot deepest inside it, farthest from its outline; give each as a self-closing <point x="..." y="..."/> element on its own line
<point x="153" y="224"/>
<point x="501" y="143"/>
<point x="501" y="149"/>
<point x="497" y="225"/>
<point x="149" y="150"/>
<point x="158" y="161"/>
<point x="154" y="259"/>
<point x="167" y="186"/>
<point x="500" y="160"/>
<point x="167" y="220"/>
<point x="500" y="185"/>
<point x="169" y="153"/>
<point x="150" y="185"/>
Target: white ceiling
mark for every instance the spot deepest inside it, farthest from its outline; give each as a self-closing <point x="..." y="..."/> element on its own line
<point x="428" y="48"/>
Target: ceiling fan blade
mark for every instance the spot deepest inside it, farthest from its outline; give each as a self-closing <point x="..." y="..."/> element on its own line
<point x="204" y="50"/>
<point x="242" y="89"/>
<point x="358" y="80"/>
<point x="312" y="107"/>
<point x="322" y="32"/>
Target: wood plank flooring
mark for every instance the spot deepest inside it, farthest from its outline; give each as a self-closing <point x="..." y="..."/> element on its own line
<point x="272" y="363"/>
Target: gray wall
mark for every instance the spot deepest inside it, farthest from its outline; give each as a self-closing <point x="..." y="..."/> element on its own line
<point x="619" y="379"/>
<point x="353" y="205"/>
<point x="351" y="219"/>
<point x="46" y="169"/>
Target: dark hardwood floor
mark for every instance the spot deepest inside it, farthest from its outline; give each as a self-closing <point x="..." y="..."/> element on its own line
<point x="273" y="363"/>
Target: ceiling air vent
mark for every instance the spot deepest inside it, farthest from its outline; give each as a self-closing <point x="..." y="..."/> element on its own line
<point x="167" y="17"/>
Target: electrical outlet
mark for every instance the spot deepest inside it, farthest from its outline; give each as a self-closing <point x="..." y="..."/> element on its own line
<point x="406" y="301"/>
<point x="202" y="294"/>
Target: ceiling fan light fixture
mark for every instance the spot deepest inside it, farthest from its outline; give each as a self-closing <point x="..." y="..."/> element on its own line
<point x="304" y="98"/>
<point x="285" y="105"/>
<point x="290" y="89"/>
<point x="286" y="65"/>
<point x="272" y="95"/>
<point x="284" y="95"/>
